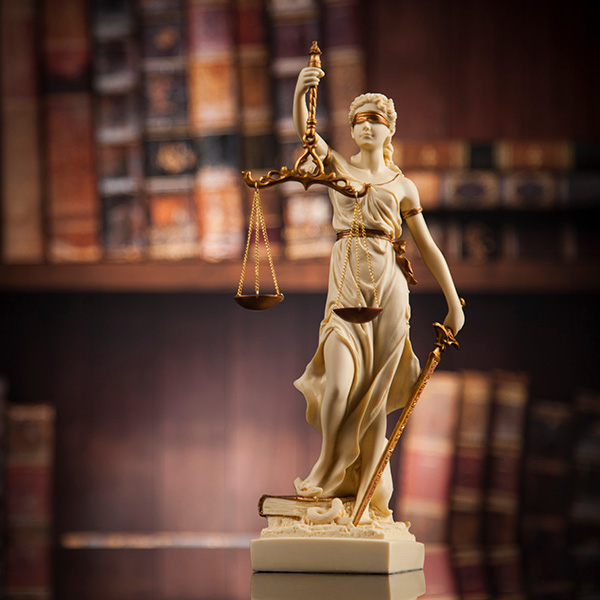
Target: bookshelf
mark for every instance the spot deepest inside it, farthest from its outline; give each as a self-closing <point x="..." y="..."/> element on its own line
<point x="503" y="276"/>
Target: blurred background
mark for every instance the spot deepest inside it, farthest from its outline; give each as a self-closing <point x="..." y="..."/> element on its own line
<point x="144" y="412"/>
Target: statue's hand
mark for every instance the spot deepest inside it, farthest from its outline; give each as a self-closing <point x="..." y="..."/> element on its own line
<point x="455" y="319"/>
<point x="308" y="77"/>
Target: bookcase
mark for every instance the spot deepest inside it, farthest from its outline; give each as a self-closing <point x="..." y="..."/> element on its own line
<point x="134" y="120"/>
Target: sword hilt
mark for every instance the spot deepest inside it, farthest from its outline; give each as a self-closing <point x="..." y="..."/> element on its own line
<point x="444" y="337"/>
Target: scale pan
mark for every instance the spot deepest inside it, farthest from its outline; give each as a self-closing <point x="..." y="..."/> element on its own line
<point x="358" y="314"/>
<point x="258" y="301"/>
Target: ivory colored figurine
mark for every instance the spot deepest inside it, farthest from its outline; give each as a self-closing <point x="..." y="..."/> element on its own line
<point x="360" y="371"/>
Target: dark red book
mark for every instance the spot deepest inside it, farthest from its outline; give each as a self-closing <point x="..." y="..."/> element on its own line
<point x="20" y="168"/>
<point x="426" y="461"/>
<point x="466" y="499"/>
<point x="502" y="495"/>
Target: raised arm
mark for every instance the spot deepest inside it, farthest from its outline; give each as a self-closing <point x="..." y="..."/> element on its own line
<point x="433" y="257"/>
<point x="308" y="77"/>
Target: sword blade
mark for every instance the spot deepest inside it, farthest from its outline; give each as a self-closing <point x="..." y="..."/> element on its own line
<point x="444" y="338"/>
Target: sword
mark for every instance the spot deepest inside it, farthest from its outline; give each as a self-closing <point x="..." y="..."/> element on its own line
<point x="444" y="339"/>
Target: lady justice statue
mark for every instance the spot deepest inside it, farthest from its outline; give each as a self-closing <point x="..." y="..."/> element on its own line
<point x="360" y="371"/>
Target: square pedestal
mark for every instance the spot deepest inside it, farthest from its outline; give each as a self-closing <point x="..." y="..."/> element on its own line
<point x="333" y="586"/>
<point x="335" y="555"/>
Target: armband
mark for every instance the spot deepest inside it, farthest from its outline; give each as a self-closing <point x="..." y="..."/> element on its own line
<point x="411" y="213"/>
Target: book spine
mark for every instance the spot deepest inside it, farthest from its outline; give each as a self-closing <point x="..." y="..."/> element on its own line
<point x="116" y="83"/>
<point x="258" y="143"/>
<point x="294" y="26"/>
<point x="501" y="503"/>
<point x="584" y="510"/>
<point x="72" y="207"/>
<point x="534" y="155"/>
<point x="213" y="120"/>
<point x="466" y="499"/>
<point x="171" y="157"/>
<point x="345" y="67"/>
<point x="20" y="168"/>
<point x="29" y="469"/>
<point x="426" y="461"/>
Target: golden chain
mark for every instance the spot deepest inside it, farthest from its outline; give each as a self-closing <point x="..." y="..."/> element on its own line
<point x="257" y="222"/>
<point x="246" y="251"/>
<point x="369" y="263"/>
<point x="266" y="239"/>
<point x="357" y="230"/>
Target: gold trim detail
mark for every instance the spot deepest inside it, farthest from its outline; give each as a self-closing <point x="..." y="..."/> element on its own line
<point x="406" y="214"/>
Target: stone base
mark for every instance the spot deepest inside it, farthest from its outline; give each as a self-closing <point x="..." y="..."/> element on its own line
<point x="331" y="586"/>
<point x="335" y="555"/>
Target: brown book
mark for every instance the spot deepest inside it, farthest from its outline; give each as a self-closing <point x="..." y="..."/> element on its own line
<point x="449" y="154"/>
<point x="471" y="573"/>
<point x="466" y="500"/>
<point x="20" y="177"/>
<point x="66" y="46"/>
<point x="29" y="465"/>
<point x="471" y="189"/>
<point x="124" y="228"/>
<point x="426" y="461"/>
<point x="533" y="189"/>
<point x="212" y="75"/>
<point x="501" y="504"/>
<point x="173" y="226"/>
<point x="213" y="92"/>
<point x="307" y="220"/>
<point x="218" y="200"/>
<point x="534" y="155"/>
<point x="72" y="199"/>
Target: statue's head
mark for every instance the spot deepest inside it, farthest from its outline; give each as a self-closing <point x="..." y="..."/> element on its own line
<point x="376" y="108"/>
<point x="384" y="105"/>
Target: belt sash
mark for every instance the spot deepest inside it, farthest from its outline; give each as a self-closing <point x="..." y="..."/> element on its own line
<point x="398" y="245"/>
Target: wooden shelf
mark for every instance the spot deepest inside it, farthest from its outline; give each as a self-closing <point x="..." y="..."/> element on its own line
<point x="293" y="276"/>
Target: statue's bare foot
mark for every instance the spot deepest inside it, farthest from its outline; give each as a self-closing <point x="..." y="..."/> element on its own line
<point x="303" y="488"/>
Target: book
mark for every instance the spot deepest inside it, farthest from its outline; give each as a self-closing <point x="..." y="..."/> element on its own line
<point x="124" y="227"/>
<point x="439" y="154"/>
<point x="504" y="463"/>
<point x="533" y="190"/>
<point x="547" y="473"/>
<point x="470" y="570"/>
<point x="217" y="196"/>
<point x="29" y="467"/>
<point x="172" y="233"/>
<point x="471" y="189"/>
<point x="584" y="512"/>
<point x="426" y="460"/>
<point x="534" y="154"/>
<point x="292" y="506"/>
<point x="307" y="220"/>
<point x="20" y="168"/>
<point x="72" y="204"/>
<point x="466" y="498"/>
<point x="505" y="572"/>
<point x="211" y="68"/>
<point x="343" y="46"/>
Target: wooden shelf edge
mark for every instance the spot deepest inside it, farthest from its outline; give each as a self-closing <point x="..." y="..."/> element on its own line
<point x="294" y="277"/>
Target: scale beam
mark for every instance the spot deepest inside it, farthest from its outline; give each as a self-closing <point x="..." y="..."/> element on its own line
<point x="308" y="169"/>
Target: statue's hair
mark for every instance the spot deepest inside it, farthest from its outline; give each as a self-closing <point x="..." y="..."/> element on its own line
<point x="386" y="106"/>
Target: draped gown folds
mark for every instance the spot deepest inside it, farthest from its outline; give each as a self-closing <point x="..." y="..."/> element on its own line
<point x="385" y="366"/>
